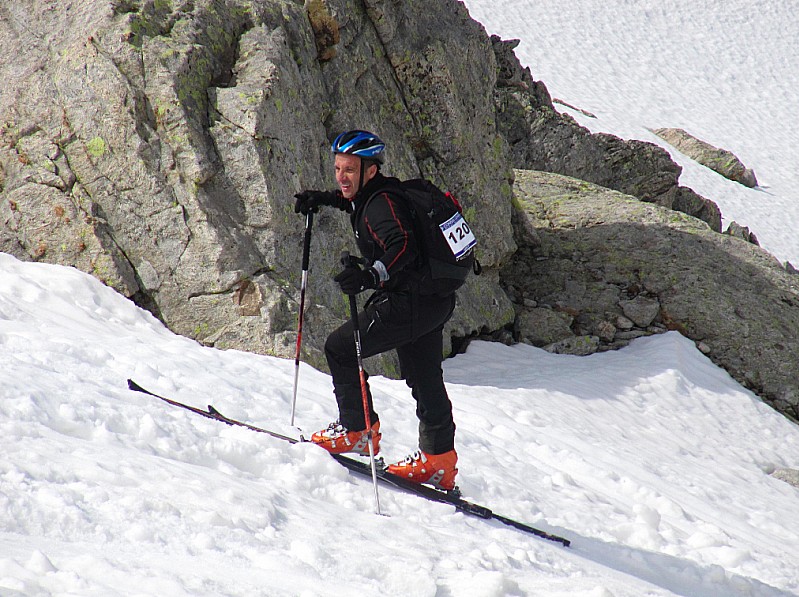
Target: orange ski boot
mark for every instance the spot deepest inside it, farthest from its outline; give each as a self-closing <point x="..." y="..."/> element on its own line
<point x="437" y="470"/>
<point x="337" y="439"/>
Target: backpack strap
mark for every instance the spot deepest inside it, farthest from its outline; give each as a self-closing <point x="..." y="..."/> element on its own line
<point x="396" y="191"/>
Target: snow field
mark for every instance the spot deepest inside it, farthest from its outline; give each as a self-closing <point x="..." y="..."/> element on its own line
<point x="107" y="491"/>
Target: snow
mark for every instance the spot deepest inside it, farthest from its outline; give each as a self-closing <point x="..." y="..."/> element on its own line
<point x="724" y="71"/>
<point x="651" y="460"/>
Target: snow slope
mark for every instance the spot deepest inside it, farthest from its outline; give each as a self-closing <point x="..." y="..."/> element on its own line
<point x="105" y="491"/>
<point x="724" y="71"/>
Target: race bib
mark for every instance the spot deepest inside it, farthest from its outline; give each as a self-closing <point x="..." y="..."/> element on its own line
<point x="458" y="234"/>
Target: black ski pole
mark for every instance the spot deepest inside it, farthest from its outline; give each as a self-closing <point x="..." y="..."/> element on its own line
<point x="349" y="261"/>
<point x="306" y="252"/>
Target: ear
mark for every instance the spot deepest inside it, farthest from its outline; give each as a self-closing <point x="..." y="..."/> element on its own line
<point x="371" y="170"/>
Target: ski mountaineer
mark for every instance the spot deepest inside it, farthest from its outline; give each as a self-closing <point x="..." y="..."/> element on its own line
<point x="398" y="315"/>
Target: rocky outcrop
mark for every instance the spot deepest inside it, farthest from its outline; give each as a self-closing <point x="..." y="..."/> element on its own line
<point x="157" y="145"/>
<point x="543" y="139"/>
<point x="692" y="203"/>
<point x="721" y="161"/>
<point x="609" y="268"/>
<point x="788" y="475"/>
<point x="742" y="232"/>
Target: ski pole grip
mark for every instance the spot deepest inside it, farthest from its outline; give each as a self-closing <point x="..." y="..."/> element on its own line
<point x="306" y="248"/>
<point x="348" y="260"/>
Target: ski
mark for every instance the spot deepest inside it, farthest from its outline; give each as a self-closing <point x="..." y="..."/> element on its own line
<point x="452" y="498"/>
<point x="212" y="413"/>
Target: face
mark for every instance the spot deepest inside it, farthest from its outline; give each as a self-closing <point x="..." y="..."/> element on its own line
<point x="348" y="174"/>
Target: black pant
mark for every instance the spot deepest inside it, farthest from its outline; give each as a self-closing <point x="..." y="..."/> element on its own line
<point x="413" y="326"/>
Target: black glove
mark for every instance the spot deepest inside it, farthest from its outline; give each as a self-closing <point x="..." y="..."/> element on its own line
<point x="309" y="201"/>
<point x="353" y="280"/>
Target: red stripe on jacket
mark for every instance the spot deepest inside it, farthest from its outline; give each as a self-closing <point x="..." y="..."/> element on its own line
<point x="383" y="243"/>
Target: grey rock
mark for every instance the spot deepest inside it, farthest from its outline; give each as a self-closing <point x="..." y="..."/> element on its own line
<point x="530" y="303"/>
<point x="719" y="160"/>
<point x="539" y="326"/>
<point x="712" y="288"/>
<point x="606" y="331"/>
<point x="704" y="348"/>
<point x="641" y="310"/>
<point x="576" y="345"/>
<point x="630" y="335"/>
<point x="789" y="475"/>
<point x="742" y="232"/>
<point x="692" y="203"/>
<point x="158" y="146"/>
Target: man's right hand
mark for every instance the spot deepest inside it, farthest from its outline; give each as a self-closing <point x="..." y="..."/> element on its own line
<point x="309" y="201"/>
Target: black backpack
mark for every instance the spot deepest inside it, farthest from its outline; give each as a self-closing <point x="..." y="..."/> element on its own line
<point x="446" y="241"/>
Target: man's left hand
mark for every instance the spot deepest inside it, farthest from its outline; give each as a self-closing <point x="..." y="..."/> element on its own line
<point x="353" y="280"/>
<point x="310" y="201"/>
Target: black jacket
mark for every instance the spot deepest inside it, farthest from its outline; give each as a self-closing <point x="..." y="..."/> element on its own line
<point x="384" y="232"/>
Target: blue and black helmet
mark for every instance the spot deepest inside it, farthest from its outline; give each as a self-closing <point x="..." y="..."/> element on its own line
<point x="361" y="143"/>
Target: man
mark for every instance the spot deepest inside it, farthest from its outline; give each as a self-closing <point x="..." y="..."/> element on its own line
<point x="399" y="315"/>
